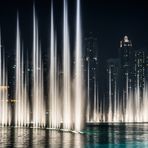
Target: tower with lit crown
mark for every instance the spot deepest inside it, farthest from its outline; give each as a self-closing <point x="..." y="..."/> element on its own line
<point x="126" y="66"/>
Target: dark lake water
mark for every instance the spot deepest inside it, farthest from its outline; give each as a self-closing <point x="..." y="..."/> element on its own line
<point x="102" y="136"/>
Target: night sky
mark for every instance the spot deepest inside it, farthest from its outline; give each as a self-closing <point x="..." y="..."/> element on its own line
<point x="109" y="21"/>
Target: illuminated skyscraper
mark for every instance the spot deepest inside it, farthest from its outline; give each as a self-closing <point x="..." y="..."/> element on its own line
<point x="126" y="72"/>
<point x="139" y="67"/>
<point x="126" y="59"/>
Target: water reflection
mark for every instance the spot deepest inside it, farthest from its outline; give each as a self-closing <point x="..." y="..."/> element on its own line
<point x="104" y="135"/>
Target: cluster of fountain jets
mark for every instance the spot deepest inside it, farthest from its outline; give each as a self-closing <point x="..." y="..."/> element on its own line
<point x="65" y="108"/>
<point x="128" y="106"/>
<point x="132" y="106"/>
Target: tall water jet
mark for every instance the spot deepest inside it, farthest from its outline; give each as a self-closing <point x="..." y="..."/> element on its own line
<point x="38" y="94"/>
<point x="137" y="101"/>
<point x="115" y="103"/>
<point x="79" y="87"/>
<point x="110" y="98"/>
<point x="26" y="102"/>
<point x="54" y="119"/>
<point x="127" y="100"/>
<point x="118" y="104"/>
<point x="145" y="100"/>
<point x="96" y="109"/>
<point x="18" y="89"/>
<point x="131" y="103"/>
<point x="66" y="72"/>
<point x="88" y="95"/>
<point x="21" y="105"/>
<point x="4" y="108"/>
<point x="103" y="110"/>
<point x="98" y="104"/>
<point x="129" y="110"/>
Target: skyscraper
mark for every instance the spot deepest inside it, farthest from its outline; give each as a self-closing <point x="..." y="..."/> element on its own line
<point x="126" y="60"/>
<point x="139" y="68"/>
<point x="126" y="64"/>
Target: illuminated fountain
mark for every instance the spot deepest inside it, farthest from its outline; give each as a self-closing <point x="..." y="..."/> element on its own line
<point x="78" y="75"/>
<point x="110" y="118"/>
<point x="131" y="107"/>
<point x="38" y="103"/>
<point x="54" y="106"/>
<point x="137" y="102"/>
<point x="144" y="104"/>
<point x="22" y="102"/>
<point x="88" y="94"/>
<point x="65" y="119"/>
<point x="67" y="107"/>
<point x="56" y="118"/>
<point x="4" y="107"/>
<point x="96" y="111"/>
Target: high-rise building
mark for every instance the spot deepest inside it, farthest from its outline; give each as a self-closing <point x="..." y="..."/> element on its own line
<point x="126" y="65"/>
<point x="139" y="68"/>
<point x="126" y="59"/>
<point x="126" y="81"/>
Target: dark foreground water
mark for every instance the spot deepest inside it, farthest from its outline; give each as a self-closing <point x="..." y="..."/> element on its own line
<point x="102" y="136"/>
